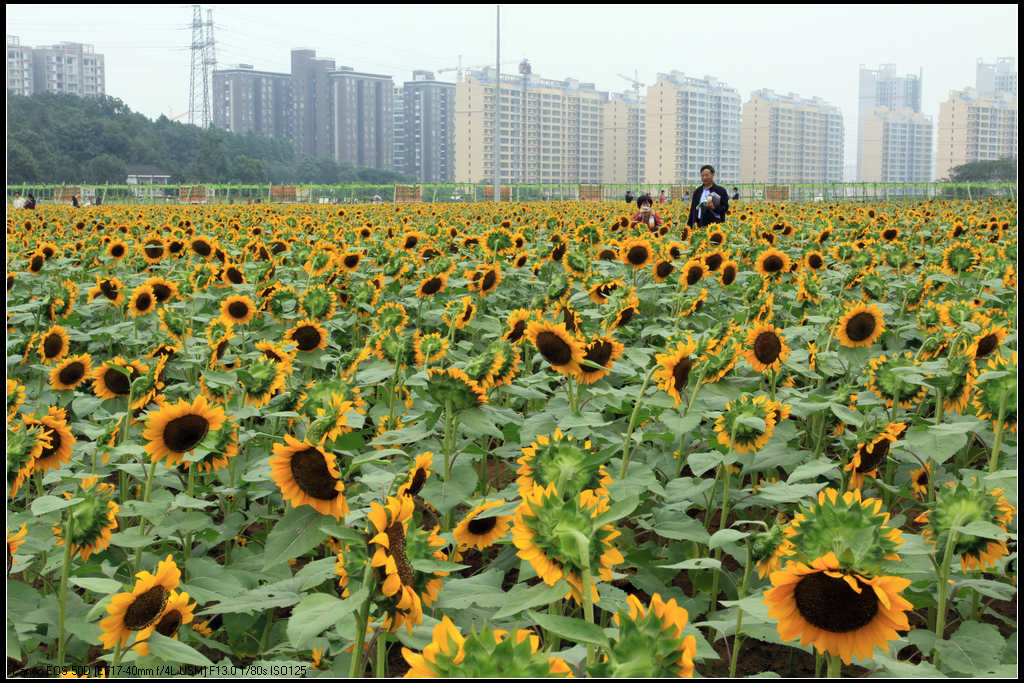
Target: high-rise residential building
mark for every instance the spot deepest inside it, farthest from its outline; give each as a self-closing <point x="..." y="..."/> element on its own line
<point x="19" y="67"/>
<point x="976" y="127"/>
<point x="790" y="139"/>
<point x="398" y="155"/>
<point x="363" y="123"/>
<point x="896" y="147"/>
<point x="625" y="140"/>
<point x="249" y="101"/>
<point x="429" y="113"/>
<point x="992" y="78"/>
<point x="64" y="68"/>
<point x="692" y="122"/>
<point x="312" y="110"/>
<point x="551" y="131"/>
<point x="882" y="87"/>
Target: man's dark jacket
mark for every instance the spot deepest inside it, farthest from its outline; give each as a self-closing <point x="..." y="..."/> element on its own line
<point x="716" y="216"/>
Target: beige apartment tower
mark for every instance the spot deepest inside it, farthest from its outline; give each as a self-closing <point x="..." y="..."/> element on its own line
<point x="551" y="131"/>
<point x="789" y="139"/>
<point x="896" y="147"/>
<point x="692" y="122"/>
<point x="975" y="128"/>
<point x="625" y="140"/>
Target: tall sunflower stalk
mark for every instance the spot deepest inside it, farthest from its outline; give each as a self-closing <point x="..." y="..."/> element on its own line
<point x="632" y="422"/>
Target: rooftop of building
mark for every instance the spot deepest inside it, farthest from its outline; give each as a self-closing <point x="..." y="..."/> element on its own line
<point x="793" y="99"/>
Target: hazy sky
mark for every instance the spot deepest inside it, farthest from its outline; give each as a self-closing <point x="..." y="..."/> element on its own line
<point x="810" y="50"/>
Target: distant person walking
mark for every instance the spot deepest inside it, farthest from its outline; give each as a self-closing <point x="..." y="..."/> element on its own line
<point x="735" y="193"/>
<point x="30" y="203"/>
<point x="19" y="201"/>
<point x="661" y="197"/>
<point x="710" y="202"/>
<point x="629" y="196"/>
<point x="99" y="199"/>
<point x="645" y="215"/>
<point x="74" y="201"/>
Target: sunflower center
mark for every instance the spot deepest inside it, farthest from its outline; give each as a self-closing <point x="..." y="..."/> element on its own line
<point x="238" y="309"/>
<point x="694" y="274"/>
<point x="202" y="248"/>
<point x="431" y="286"/>
<point x="872" y="457"/>
<point x="117" y="383"/>
<point x="307" y="337"/>
<point x="772" y="264"/>
<point x="468" y="313"/>
<point x="168" y="626"/>
<point x="143" y="302"/>
<point x="626" y="315"/>
<point x="986" y="345"/>
<point x="488" y="282"/>
<point x="815" y="261"/>
<point x="55" y="442"/>
<point x="663" y="269"/>
<point x="681" y="373"/>
<point x="37" y="263"/>
<point x="184" y="433"/>
<point x="517" y="331"/>
<point x="767" y="347"/>
<point x="309" y="468"/>
<point x="235" y="276"/>
<point x="599" y="352"/>
<point x="117" y="251"/>
<point x="162" y="292"/>
<point x="479" y="527"/>
<point x="146" y="608"/>
<point x="922" y="478"/>
<point x="418" y="479"/>
<point x="154" y="250"/>
<point x="351" y="261"/>
<point x="713" y="261"/>
<point x="728" y="275"/>
<point x="71" y="373"/>
<point x="396" y="547"/>
<point x="108" y="289"/>
<point x="861" y="326"/>
<point x="52" y="345"/>
<point x="831" y="605"/>
<point x="554" y="349"/>
<point x="637" y="255"/>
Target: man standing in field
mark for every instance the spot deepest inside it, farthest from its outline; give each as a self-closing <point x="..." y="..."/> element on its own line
<point x="710" y="202"/>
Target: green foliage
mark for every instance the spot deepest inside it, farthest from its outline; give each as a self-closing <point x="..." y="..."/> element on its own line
<point x="1004" y="170"/>
<point x="61" y="138"/>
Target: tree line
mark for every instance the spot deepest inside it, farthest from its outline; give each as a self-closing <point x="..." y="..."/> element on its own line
<point x="62" y="138"/>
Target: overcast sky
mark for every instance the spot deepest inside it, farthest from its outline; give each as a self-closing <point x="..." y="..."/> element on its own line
<point x="806" y="49"/>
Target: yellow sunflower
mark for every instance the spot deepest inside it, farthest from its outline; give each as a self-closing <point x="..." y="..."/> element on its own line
<point x="141" y="609"/>
<point x="600" y="351"/>
<point x="860" y="325"/>
<point x="559" y="348"/>
<point x="54" y="345"/>
<point x="675" y="369"/>
<point x="308" y="336"/>
<point x="69" y="374"/>
<point x="237" y="309"/>
<point x="839" y="612"/>
<point x="176" y="614"/>
<point x="480" y="533"/>
<point x="766" y="348"/>
<point x="174" y="430"/>
<point x="307" y="475"/>
<point x="142" y="301"/>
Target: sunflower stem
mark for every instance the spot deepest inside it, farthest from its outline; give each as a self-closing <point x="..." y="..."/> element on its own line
<point x="737" y="639"/>
<point x="361" y="617"/>
<point x="583" y="544"/>
<point x="993" y="461"/>
<point x="380" y="668"/>
<point x="721" y="525"/>
<point x="835" y="666"/>
<point x="63" y="594"/>
<point x="944" y="571"/>
<point x="265" y="638"/>
<point x="632" y="422"/>
<point x="817" y="664"/>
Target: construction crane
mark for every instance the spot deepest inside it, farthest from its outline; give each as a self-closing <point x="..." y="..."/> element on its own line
<point x="460" y="69"/>
<point x="636" y="84"/>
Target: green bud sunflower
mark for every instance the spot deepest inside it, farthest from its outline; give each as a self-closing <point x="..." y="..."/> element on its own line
<point x="844" y="524"/>
<point x="960" y="505"/>
<point x="650" y="643"/>
<point x="558" y="286"/>
<point x="874" y="286"/>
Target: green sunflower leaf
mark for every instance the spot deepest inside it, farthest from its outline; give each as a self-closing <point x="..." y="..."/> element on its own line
<point x="102" y="586"/>
<point x="317" y="612"/>
<point x="974" y="649"/>
<point x="570" y="629"/>
<point x="47" y="504"/>
<point x="982" y="530"/>
<point x="617" y="511"/>
<point x="296" y="533"/>
<point x="173" y="650"/>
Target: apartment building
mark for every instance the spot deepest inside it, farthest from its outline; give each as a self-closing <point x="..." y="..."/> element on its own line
<point x="691" y="122"/>
<point x="398" y="126"/>
<point x="790" y="139"/>
<point x="896" y="147"/>
<point x="19" y="67"/>
<point x="625" y="140"/>
<point x="551" y="131"/>
<point x="73" y="68"/>
<point x="976" y="127"/>
<point x="312" y="110"/>
<point x="884" y="88"/>
<point x="363" y="124"/>
<point x="996" y="77"/>
<point x="250" y="101"/>
<point x="429" y="129"/>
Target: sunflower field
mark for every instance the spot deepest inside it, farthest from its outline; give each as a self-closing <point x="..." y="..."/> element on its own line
<point x="504" y="440"/>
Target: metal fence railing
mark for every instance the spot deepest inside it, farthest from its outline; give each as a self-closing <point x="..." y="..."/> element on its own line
<point x="454" y="192"/>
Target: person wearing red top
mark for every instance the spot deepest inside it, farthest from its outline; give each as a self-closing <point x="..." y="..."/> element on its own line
<point x="645" y="215"/>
